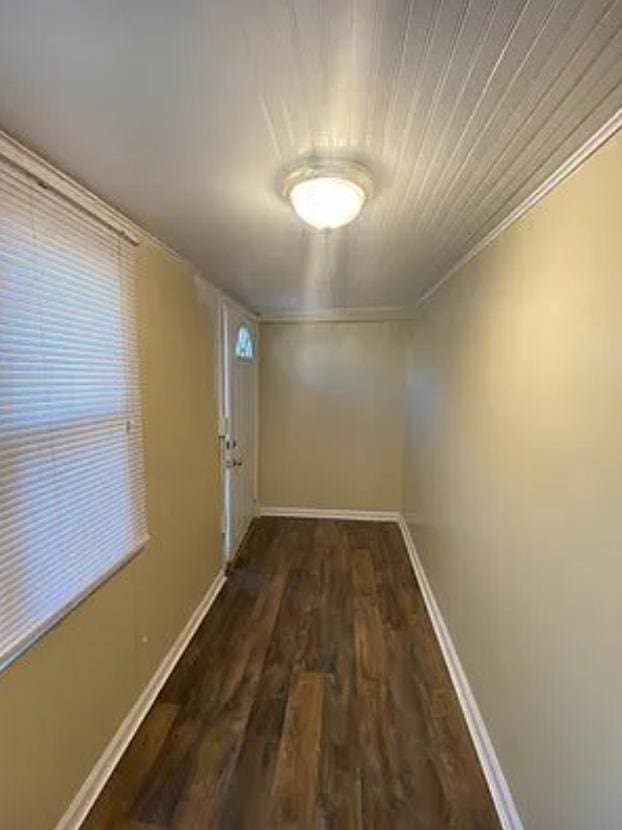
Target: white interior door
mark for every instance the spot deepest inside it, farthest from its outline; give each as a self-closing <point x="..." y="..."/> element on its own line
<point x="240" y="422"/>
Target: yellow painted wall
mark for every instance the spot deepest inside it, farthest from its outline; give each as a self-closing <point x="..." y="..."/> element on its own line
<point x="62" y="701"/>
<point x="331" y="415"/>
<point x="513" y="486"/>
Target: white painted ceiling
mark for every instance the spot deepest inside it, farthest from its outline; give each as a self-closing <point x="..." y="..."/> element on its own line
<point x="183" y="113"/>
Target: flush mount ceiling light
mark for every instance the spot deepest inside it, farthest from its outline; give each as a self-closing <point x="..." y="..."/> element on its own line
<point x="328" y="194"/>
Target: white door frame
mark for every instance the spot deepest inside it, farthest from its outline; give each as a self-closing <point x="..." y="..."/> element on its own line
<point x="225" y="302"/>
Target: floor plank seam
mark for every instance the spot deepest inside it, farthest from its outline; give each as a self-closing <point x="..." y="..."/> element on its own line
<point x="314" y="694"/>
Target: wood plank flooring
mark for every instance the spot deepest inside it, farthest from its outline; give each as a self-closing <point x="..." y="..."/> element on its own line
<point x="313" y="697"/>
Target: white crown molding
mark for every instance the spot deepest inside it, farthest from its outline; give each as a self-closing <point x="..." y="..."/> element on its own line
<point x="239" y="306"/>
<point x="24" y="159"/>
<point x="322" y="513"/>
<point x="101" y="772"/>
<point x="27" y="161"/>
<point x="21" y="157"/>
<point x="497" y="784"/>
<point x="600" y="137"/>
<point x="336" y="315"/>
<point x="607" y="131"/>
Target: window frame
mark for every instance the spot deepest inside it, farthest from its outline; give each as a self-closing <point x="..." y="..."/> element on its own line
<point x="249" y="358"/>
<point x="31" y="612"/>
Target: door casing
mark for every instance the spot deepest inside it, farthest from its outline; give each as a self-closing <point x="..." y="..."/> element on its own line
<point x="238" y="399"/>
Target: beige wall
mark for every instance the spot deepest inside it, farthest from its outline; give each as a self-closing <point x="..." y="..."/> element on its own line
<point x="61" y="702"/>
<point x="511" y="480"/>
<point x="331" y="415"/>
<point x="513" y="484"/>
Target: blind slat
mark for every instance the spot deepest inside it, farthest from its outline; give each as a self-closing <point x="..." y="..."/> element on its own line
<point x="72" y="500"/>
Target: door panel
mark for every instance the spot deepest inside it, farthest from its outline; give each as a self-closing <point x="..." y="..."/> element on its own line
<point x="240" y="378"/>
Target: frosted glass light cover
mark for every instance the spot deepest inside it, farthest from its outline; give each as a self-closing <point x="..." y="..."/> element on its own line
<point x="327" y="202"/>
<point x="327" y="193"/>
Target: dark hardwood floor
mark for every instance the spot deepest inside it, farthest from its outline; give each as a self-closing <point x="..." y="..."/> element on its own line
<point x="313" y="696"/>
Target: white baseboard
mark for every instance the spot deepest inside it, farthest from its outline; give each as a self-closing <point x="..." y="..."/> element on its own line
<point x="321" y="513"/>
<point x="101" y="772"/>
<point x="497" y="784"/>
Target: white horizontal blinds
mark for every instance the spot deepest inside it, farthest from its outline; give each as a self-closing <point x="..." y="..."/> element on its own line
<point x="72" y="504"/>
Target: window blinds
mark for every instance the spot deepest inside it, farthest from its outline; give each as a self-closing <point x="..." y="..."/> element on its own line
<point x="72" y="505"/>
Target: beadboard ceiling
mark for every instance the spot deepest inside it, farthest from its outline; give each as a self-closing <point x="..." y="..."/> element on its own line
<point x="183" y="115"/>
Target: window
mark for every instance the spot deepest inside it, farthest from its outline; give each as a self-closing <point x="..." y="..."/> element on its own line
<point x="244" y="343"/>
<point x="71" y="475"/>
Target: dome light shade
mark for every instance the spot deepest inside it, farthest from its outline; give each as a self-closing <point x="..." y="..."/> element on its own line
<point x="328" y="195"/>
<point x="327" y="202"/>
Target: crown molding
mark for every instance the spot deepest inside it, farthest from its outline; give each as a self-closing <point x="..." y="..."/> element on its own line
<point x="334" y="315"/>
<point x="337" y="315"/>
<point x="600" y="137"/>
<point x="21" y="158"/>
<point x="18" y="156"/>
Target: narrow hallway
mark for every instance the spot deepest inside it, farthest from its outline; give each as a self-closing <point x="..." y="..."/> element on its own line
<point x="314" y="695"/>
